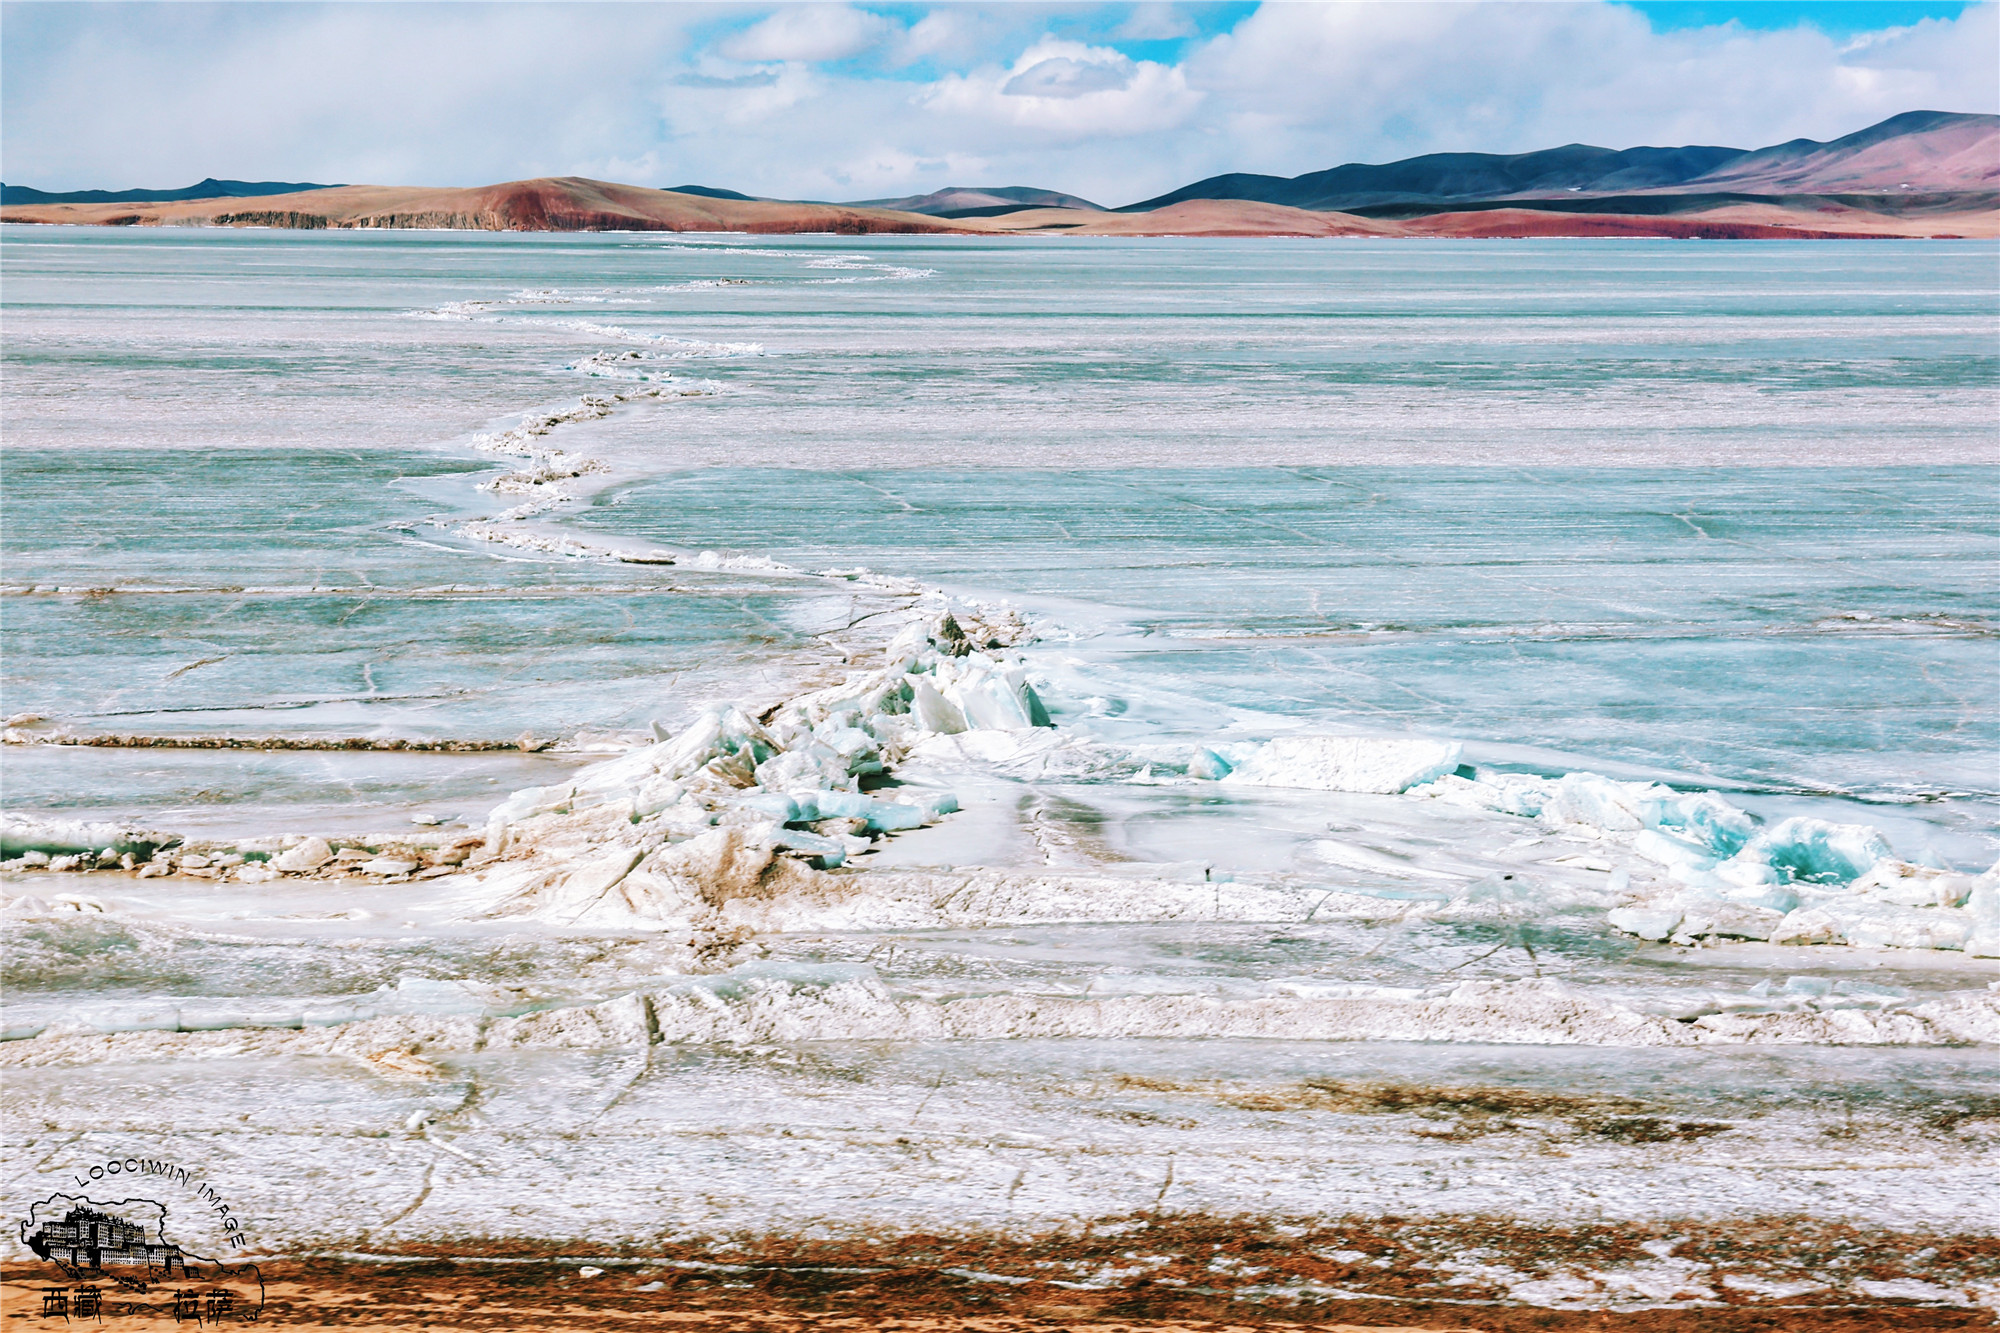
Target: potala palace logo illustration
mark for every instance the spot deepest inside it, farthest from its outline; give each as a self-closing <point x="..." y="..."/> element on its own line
<point x="117" y="1258"/>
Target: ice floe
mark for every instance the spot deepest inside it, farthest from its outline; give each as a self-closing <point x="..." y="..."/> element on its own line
<point x="1800" y="881"/>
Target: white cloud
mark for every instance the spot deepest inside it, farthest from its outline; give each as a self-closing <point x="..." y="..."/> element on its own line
<point x="1324" y="84"/>
<point x="811" y="33"/>
<point x="1060" y="76"/>
<point x="1154" y="22"/>
<point x="164" y="94"/>
<point x="939" y="33"/>
<point x="1068" y="91"/>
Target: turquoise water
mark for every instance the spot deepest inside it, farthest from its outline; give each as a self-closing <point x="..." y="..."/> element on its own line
<point x="1749" y="626"/>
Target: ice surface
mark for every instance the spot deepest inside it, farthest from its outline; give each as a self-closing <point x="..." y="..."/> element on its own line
<point x="1346" y="763"/>
<point x="960" y="796"/>
<point x="632" y="842"/>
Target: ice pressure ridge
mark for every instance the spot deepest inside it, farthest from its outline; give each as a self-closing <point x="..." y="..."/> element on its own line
<point x="544" y="481"/>
<point x="745" y="825"/>
<point x="755" y="805"/>
<point x="737" y="804"/>
<point x="730" y="825"/>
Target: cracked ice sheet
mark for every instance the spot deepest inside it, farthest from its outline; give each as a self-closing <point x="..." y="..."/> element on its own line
<point x="600" y="1146"/>
<point x="1332" y="626"/>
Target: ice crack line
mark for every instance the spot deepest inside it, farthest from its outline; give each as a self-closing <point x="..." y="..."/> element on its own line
<point x="546" y="482"/>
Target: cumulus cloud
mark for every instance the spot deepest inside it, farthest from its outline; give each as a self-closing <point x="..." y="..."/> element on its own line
<point x="786" y="102"/>
<point x="1373" y="82"/>
<point x="809" y="32"/>
<point x="1067" y="90"/>
<point x="1060" y="76"/>
<point x="164" y="94"/>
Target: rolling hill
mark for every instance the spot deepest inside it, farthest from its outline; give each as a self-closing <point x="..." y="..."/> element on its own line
<point x="1926" y="152"/>
<point x="1922" y="173"/>
<point x="982" y="201"/>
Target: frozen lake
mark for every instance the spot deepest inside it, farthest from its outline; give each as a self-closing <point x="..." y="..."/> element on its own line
<point x="314" y="534"/>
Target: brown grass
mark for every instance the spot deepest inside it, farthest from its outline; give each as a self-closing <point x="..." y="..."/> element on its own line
<point x="1473" y="1110"/>
<point x="1139" y="1273"/>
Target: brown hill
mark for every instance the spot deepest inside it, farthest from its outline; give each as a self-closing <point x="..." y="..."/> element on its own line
<point x="1812" y="219"/>
<point x="990" y="201"/>
<point x="566" y="203"/>
<point x="1522" y="222"/>
<point x="1932" y="152"/>
<point x="574" y="204"/>
<point x="1196" y="217"/>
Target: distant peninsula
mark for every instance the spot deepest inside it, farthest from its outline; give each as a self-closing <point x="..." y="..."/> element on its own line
<point x="1919" y="174"/>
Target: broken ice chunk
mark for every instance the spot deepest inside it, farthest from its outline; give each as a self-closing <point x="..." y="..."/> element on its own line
<point x="1983" y="909"/>
<point x="818" y="805"/>
<point x="976" y="693"/>
<point x="1589" y="801"/>
<point x="829" y="852"/>
<point x="1648" y="923"/>
<point x="1682" y="859"/>
<point x="774" y="804"/>
<point x="891" y="817"/>
<point x="1906" y="885"/>
<point x="1807" y="851"/>
<point x="1209" y="766"/>
<point x="856" y="748"/>
<point x="1704" y="919"/>
<point x="934" y="802"/>
<point x="1701" y="818"/>
<point x="932" y="710"/>
<point x="308" y="854"/>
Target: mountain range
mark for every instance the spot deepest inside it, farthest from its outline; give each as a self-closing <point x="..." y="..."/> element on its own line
<point x="981" y="202"/>
<point x="1922" y="173"/>
<point x="208" y="189"/>
<point x="1931" y="151"/>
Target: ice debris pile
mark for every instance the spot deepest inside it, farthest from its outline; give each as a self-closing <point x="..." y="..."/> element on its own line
<point x="35" y="843"/>
<point x="731" y="802"/>
<point x="548" y="467"/>
<point x="738" y="806"/>
<point x="1720" y="874"/>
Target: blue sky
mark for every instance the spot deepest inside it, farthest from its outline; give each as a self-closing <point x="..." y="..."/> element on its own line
<point x="1115" y="102"/>
<point x="1840" y="18"/>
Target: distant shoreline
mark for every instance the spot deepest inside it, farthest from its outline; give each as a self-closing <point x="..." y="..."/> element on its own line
<point x="574" y="204"/>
